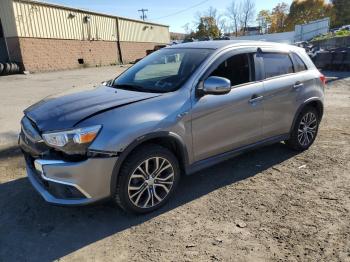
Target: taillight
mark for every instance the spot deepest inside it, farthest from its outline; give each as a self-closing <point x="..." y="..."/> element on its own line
<point x="323" y="79"/>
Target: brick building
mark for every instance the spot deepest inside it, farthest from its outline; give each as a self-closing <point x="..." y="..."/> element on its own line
<point x="46" y="37"/>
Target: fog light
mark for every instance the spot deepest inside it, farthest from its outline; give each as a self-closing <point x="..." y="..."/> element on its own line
<point x="38" y="167"/>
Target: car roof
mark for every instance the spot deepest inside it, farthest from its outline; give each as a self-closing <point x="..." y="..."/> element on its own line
<point x="221" y="44"/>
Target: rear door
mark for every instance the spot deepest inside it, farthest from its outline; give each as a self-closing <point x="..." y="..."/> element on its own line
<point x="281" y="87"/>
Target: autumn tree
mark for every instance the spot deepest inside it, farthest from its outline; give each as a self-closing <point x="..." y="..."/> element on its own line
<point x="264" y="20"/>
<point x="341" y="12"/>
<point x="279" y="16"/>
<point x="305" y="11"/>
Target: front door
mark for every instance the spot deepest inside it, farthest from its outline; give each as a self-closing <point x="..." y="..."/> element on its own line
<point x="221" y="123"/>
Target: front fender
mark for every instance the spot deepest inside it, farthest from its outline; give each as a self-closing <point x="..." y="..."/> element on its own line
<point x="144" y="139"/>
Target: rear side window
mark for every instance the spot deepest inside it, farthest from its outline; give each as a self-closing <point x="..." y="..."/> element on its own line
<point x="299" y="65"/>
<point x="277" y="64"/>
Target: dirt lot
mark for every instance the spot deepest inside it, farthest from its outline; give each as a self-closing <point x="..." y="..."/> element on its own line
<point x="268" y="205"/>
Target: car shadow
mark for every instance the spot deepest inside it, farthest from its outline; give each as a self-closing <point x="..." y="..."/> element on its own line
<point x="333" y="76"/>
<point x="32" y="230"/>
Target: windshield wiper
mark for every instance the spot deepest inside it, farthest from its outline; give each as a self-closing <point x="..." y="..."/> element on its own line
<point x="130" y="87"/>
<point x="136" y="88"/>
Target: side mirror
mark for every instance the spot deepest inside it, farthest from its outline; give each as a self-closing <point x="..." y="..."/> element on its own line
<point x="107" y="83"/>
<point x="215" y="85"/>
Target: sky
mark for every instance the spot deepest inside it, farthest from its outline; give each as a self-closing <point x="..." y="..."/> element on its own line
<point x="173" y="13"/>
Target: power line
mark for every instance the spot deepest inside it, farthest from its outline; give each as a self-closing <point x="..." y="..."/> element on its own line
<point x="143" y="15"/>
<point x="181" y="11"/>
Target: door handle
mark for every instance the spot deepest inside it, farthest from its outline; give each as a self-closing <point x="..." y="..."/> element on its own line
<point x="298" y="85"/>
<point x="255" y="99"/>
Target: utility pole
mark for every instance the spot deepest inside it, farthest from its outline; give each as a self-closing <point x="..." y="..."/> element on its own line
<point x="143" y="15"/>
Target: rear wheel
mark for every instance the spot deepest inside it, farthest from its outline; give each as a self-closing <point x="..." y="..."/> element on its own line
<point x="147" y="179"/>
<point x="305" y="130"/>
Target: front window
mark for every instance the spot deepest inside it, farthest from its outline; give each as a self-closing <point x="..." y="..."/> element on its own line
<point x="163" y="71"/>
<point x="238" y="69"/>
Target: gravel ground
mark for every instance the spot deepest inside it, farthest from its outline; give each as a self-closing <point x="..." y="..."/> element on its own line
<point x="267" y="205"/>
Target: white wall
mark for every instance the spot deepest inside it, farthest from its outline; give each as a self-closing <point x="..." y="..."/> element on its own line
<point x="308" y="31"/>
<point x="301" y="33"/>
<point x="286" y="37"/>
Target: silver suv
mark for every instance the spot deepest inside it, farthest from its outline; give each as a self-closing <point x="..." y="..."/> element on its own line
<point x="175" y="112"/>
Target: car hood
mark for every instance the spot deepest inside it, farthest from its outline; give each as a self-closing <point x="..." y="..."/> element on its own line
<point x="66" y="111"/>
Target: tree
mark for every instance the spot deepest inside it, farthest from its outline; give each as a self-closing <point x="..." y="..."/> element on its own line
<point x="302" y="12"/>
<point x="247" y="13"/>
<point x="207" y="28"/>
<point x="212" y="12"/>
<point x="279" y="16"/>
<point x="222" y="24"/>
<point x="341" y="12"/>
<point x="241" y="14"/>
<point x="264" y="19"/>
<point x="233" y="12"/>
<point x="208" y="23"/>
<point x="187" y="28"/>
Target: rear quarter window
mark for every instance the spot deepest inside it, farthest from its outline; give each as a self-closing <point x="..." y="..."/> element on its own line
<point x="299" y="64"/>
<point x="276" y="64"/>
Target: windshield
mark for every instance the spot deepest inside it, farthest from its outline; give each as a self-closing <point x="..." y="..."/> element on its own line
<point x="163" y="71"/>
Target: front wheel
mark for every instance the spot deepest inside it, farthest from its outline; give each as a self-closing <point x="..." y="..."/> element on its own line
<point x="305" y="129"/>
<point x="147" y="179"/>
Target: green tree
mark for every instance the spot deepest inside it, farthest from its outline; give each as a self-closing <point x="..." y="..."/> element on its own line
<point x="207" y="27"/>
<point x="341" y="12"/>
<point x="302" y="12"/>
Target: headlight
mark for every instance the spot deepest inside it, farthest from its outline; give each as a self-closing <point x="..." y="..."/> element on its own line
<point x="77" y="138"/>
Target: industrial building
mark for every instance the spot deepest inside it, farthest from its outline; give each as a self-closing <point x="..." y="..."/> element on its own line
<point x="46" y="37"/>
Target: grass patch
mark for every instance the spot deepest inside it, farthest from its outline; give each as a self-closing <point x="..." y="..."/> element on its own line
<point x="341" y="33"/>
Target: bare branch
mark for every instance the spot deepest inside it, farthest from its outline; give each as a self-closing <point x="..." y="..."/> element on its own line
<point x="248" y="13"/>
<point x="233" y="11"/>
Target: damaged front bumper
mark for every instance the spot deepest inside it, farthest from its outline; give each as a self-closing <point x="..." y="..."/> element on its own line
<point x="71" y="183"/>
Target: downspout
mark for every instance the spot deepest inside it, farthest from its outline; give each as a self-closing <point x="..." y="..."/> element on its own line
<point x="118" y="41"/>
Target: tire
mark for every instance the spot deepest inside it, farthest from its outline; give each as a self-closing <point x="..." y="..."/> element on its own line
<point x="303" y="136"/>
<point x="7" y="68"/>
<point x="138" y="191"/>
<point x="1" y="68"/>
<point x="14" y="68"/>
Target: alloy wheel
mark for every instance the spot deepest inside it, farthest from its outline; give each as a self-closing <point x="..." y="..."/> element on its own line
<point x="307" y="129"/>
<point x="151" y="182"/>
